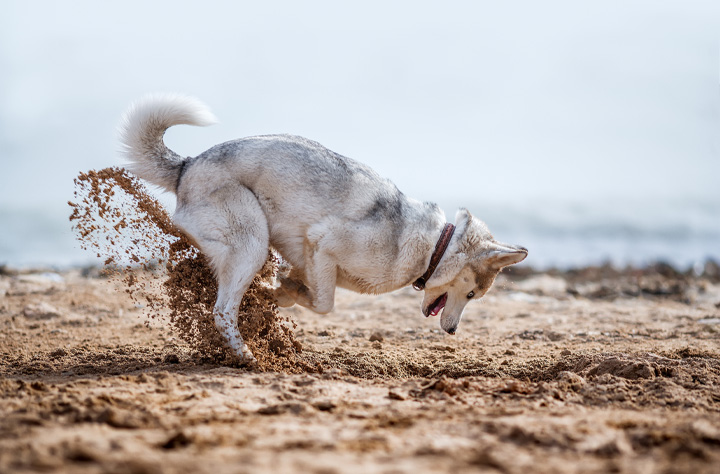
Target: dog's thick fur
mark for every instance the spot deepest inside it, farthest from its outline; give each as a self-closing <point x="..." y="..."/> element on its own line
<point x="334" y="220"/>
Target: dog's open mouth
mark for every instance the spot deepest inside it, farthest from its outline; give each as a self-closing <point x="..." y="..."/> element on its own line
<point x="436" y="306"/>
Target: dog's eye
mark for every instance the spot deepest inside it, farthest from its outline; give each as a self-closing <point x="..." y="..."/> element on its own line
<point x="471" y="294"/>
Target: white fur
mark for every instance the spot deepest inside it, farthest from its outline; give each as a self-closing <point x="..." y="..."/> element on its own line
<point x="143" y="125"/>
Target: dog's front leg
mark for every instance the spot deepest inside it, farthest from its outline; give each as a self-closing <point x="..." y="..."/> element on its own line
<point x="313" y="287"/>
<point x="314" y="290"/>
<point x="318" y="293"/>
<point x="284" y="296"/>
<point x="290" y="289"/>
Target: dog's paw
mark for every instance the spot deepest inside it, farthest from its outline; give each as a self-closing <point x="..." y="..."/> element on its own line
<point x="244" y="359"/>
<point x="283" y="270"/>
<point x="282" y="298"/>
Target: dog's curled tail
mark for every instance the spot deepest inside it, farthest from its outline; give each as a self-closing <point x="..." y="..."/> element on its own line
<point x="141" y="133"/>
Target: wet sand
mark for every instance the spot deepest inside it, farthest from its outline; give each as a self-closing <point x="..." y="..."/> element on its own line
<point x="587" y="371"/>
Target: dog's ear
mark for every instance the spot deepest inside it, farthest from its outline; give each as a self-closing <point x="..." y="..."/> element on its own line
<point x="462" y="219"/>
<point x="467" y="239"/>
<point x="472" y="234"/>
<point x="502" y="255"/>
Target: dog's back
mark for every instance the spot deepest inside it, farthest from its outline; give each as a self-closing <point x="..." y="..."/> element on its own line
<point x="293" y="178"/>
<point x="300" y="184"/>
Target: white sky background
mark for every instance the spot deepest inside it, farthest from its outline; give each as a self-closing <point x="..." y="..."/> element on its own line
<point x="454" y="101"/>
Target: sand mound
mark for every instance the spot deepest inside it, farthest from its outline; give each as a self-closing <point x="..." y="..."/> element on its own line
<point x="160" y="268"/>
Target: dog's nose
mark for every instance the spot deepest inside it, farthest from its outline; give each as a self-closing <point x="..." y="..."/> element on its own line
<point x="451" y="330"/>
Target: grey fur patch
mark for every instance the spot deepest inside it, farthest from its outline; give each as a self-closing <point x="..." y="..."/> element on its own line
<point x="387" y="207"/>
<point x="181" y="171"/>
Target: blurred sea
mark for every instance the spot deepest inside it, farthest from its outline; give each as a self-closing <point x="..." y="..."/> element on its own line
<point x="475" y="104"/>
<point x="684" y="234"/>
<point x="564" y="235"/>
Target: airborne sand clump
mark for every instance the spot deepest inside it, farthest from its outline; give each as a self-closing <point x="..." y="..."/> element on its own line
<point x="161" y="268"/>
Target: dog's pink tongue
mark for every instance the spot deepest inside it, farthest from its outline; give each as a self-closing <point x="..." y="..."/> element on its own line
<point x="439" y="306"/>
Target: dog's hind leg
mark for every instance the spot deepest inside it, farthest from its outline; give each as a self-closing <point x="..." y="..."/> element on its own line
<point x="231" y="230"/>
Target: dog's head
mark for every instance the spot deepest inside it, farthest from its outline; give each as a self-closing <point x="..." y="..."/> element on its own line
<point x="467" y="270"/>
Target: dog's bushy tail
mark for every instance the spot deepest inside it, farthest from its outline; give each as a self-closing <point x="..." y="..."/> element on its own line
<point x="141" y="134"/>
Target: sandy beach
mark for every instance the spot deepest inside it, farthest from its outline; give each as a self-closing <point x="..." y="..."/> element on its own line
<point x="594" y="370"/>
<point x="586" y="133"/>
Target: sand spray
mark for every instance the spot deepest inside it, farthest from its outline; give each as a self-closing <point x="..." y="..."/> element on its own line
<point x="160" y="268"/>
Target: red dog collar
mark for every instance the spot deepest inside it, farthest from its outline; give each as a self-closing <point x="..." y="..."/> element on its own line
<point x="440" y="247"/>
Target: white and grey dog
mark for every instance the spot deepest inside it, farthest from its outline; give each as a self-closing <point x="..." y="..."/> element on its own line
<point x="334" y="220"/>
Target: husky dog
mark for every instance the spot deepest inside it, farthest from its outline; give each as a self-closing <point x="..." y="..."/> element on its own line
<point x="334" y="220"/>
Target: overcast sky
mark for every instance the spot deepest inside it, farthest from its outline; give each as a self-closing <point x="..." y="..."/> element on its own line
<point x="454" y="101"/>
